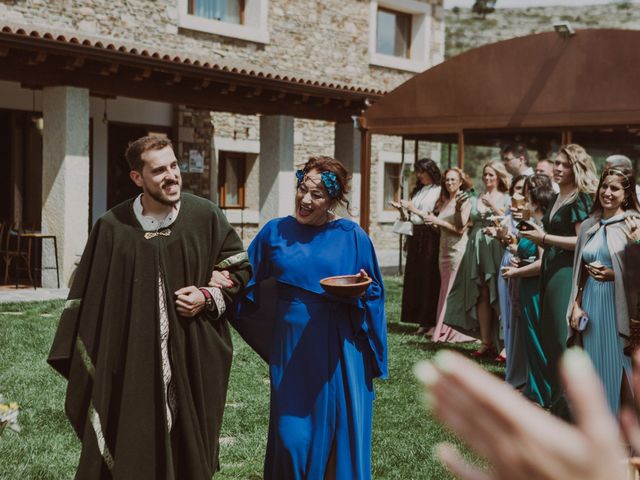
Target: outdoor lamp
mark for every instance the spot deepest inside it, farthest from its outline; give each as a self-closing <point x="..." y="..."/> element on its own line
<point x="564" y="29"/>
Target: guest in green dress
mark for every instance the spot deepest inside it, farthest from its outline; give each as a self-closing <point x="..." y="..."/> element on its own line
<point x="472" y="304"/>
<point x="538" y="190"/>
<point x="575" y="174"/>
<point x="599" y="287"/>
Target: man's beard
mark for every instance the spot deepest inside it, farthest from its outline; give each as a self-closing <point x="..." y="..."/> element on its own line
<point x="160" y="198"/>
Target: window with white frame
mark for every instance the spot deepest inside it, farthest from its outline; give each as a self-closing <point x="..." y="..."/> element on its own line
<point x="399" y="34"/>
<point x="242" y="19"/>
<point x="231" y="179"/>
<point x="230" y="11"/>
<point x="391" y="182"/>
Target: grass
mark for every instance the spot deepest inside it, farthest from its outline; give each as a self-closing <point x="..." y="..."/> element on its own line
<point x="403" y="434"/>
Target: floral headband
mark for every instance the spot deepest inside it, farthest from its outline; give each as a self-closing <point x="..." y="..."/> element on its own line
<point x="329" y="179"/>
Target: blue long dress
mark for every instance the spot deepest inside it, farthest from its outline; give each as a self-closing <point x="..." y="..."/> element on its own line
<point x="324" y="351"/>
<point x="600" y="339"/>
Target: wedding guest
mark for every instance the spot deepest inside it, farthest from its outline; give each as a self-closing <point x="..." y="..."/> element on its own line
<point x="621" y="161"/>
<point x="421" y="277"/>
<point x="599" y="291"/>
<point x="508" y="295"/>
<point x="323" y="350"/>
<point x="574" y="172"/>
<point x="538" y="192"/>
<point x="472" y="304"/>
<point x="516" y="159"/>
<point x="453" y="242"/>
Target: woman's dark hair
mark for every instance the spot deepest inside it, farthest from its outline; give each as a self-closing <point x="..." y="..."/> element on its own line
<point x="328" y="164"/>
<point x="630" y="201"/>
<point x="540" y="190"/>
<point x="514" y="181"/>
<point x="430" y="168"/>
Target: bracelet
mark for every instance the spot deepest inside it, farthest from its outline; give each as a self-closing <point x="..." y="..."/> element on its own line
<point x="208" y="298"/>
<point x="544" y="238"/>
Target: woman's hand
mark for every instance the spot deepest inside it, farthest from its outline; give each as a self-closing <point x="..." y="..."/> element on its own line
<point x="576" y="314"/>
<point x="536" y="235"/>
<point x="430" y="219"/>
<point x="515" y="261"/>
<point x="460" y="199"/>
<point x="509" y="272"/>
<point x="517" y="438"/>
<point x="408" y="204"/>
<point x="516" y="213"/>
<point x="599" y="272"/>
<point x="486" y="199"/>
<point x="490" y="231"/>
<point x="220" y="279"/>
<point x="395" y="205"/>
<point x="633" y="226"/>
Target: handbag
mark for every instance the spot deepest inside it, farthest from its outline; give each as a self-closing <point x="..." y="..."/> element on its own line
<point x="402" y="227"/>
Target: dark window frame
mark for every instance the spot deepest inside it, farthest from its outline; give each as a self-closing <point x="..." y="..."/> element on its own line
<point x="223" y="156"/>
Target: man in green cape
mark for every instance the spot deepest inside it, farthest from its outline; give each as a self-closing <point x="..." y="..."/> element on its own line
<point x="145" y="347"/>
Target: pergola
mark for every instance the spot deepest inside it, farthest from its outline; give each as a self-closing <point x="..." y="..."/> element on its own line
<point x="542" y="82"/>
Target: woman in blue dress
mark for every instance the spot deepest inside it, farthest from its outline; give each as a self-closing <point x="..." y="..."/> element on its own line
<point x="323" y="351"/>
<point x="599" y="290"/>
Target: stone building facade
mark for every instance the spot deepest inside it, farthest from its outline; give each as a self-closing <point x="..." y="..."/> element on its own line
<point x="333" y="42"/>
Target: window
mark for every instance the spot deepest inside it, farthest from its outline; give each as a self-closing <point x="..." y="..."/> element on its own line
<point x="231" y="179"/>
<point x="391" y="191"/>
<point x="393" y="32"/>
<point x="399" y="34"/>
<point x="241" y="19"/>
<point x="230" y="11"/>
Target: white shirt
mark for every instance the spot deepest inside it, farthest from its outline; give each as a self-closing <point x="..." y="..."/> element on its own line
<point x="425" y="200"/>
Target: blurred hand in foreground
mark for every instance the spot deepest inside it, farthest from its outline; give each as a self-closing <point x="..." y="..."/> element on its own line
<point x="516" y="437"/>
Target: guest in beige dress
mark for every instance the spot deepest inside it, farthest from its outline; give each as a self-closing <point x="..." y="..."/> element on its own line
<point x="453" y="243"/>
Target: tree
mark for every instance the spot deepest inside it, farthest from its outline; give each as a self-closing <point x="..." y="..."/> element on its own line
<point x="483" y="7"/>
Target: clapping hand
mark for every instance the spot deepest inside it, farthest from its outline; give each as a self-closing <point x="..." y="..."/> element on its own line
<point x="633" y="232"/>
<point x="517" y="438"/>
<point x="460" y="199"/>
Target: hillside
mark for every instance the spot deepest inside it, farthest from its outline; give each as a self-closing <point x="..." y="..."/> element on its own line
<point x="465" y="31"/>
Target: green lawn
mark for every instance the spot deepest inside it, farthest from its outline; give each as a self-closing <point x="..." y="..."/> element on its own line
<point x="403" y="434"/>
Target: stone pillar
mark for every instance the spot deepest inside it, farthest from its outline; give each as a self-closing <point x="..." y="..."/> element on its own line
<point x="65" y="178"/>
<point x="347" y="149"/>
<point x="277" y="188"/>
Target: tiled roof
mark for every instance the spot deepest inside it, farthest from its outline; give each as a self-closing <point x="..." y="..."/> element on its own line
<point x="128" y="48"/>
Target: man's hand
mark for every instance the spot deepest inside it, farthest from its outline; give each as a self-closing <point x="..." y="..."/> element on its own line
<point x="189" y="301"/>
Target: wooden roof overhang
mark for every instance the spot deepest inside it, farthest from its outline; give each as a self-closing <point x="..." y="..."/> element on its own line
<point x="39" y="59"/>
<point x="538" y="81"/>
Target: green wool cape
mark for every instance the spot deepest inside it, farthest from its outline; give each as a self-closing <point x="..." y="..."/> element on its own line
<point x="108" y="345"/>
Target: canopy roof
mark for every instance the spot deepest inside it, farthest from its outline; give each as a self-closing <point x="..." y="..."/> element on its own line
<point x="537" y="81"/>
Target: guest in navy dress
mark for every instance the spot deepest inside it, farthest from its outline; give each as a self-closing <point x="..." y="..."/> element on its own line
<point x="323" y="351"/>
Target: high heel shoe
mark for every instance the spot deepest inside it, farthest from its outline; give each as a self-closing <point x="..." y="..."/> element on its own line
<point x="485" y="350"/>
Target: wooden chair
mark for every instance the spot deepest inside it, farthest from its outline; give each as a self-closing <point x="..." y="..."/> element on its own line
<point x="13" y="247"/>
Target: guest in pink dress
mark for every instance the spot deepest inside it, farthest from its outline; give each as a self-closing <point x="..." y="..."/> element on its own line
<point x="453" y="242"/>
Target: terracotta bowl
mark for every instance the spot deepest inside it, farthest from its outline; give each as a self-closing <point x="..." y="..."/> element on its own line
<point x="345" y="285"/>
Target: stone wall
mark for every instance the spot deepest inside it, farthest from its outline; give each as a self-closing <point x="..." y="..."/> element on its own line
<point x="319" y="40"/>
<point x="195" y="131"/>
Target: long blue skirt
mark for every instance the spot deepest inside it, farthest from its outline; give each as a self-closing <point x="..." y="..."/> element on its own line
<point x="321" y="390"/>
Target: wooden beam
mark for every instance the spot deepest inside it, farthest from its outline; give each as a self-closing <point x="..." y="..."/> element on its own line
<point x="4" y="51"/>
<point x="73" y="63"/>
<point x="144" y="74"/>
<point x="110" y="69"/>
<point x="365" y="179"/>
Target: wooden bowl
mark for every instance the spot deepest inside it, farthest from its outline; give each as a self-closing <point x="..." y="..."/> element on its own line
<point x="345" y="285"/>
